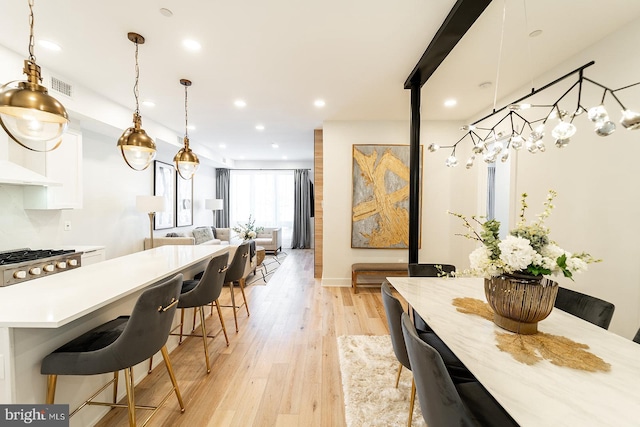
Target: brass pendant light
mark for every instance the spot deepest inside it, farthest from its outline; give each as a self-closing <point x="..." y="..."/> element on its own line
<point x="186" y="161"/>
<point x="137" y="148"/>
<point x="32" y="117"/>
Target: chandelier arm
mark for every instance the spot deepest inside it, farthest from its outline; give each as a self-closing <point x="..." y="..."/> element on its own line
<point x="617" y="99"/>
<point x="626" y="87"/>
<point x="535" y="91"/>
<point x="579" y="91"/>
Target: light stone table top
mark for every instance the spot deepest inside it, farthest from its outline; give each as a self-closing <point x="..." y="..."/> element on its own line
<point x="534" y="395"/>
<point x="54" y="301"/>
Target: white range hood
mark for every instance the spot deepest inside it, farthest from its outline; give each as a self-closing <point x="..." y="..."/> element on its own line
<point x="14" y="174"/>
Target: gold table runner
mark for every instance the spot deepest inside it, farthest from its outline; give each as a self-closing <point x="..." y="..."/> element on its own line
<point x="531" y="349"/>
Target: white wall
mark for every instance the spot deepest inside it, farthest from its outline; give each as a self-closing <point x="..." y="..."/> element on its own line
<point x="437" y="241"/>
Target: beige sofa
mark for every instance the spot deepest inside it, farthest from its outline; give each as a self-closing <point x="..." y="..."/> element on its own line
<point x="199" y="234"/>
<point x="270" y="239"/>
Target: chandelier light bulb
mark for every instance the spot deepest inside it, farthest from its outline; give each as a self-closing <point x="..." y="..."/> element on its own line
<point x="504" y="157"/>
<point x="630" y="120"/>
<point x="468" y="128"/>
<point x="518" y="107"/>
<point x="597" y="114"/>
<point x="433" y="148"/>
<point x="540" y="145"/>
<point x="469" y="164"/>
<point x="451" y="161"/>
<point x="605" y="128"/>
<point x="516" y="142"/>
<point x="563" y="130"/>
<point x="532" y="146"/>
<point x="562" y="143"/>
<point x="478" y="148"/>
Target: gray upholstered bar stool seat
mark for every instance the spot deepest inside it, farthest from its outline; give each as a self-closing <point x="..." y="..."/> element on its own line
<point x="237" y="272"/>
<point x="119" y="345"/>
<point x="592" y="309"/>
<point x="444" y="403"/>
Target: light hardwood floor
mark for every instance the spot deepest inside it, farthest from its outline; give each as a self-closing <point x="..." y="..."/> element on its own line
<point x="281" y="369"/>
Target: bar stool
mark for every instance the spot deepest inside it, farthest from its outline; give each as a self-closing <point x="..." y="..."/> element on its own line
<point x="119" y="345"/>
<point x="237" y="272"/>
<point x="198" y="293"/>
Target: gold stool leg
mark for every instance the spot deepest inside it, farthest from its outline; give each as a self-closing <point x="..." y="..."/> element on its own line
<point x="211" y="312"/>
<point x="241" y="283"/>
<point x="224" y="329"/>
<point x="398" y="376"/>
<point x="51" y="388"/>
<point x="115" y="387"/>
<point x="128" y="379"/>
<point x="233" y="305"/>
<point x="182" y="324"/>
<point x="413" y="399"/>
<point x="167" y="362"/>
<point x="204" y="339"/>
<point x="193" y="324"/>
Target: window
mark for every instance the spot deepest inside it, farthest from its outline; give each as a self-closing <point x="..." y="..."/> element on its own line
<point x="266" y="195"/>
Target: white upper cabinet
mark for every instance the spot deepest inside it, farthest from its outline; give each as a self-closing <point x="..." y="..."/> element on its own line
<point x="63" y="165"/>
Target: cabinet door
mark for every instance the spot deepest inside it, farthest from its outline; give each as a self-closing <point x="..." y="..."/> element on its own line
<point x="63" y="165"/>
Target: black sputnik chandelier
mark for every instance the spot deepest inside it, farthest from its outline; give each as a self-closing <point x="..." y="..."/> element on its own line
<point x="524" y="125"/>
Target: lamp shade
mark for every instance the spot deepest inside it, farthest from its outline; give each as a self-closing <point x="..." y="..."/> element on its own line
<point x="214" y="204"/>
<point x="150" y="203"/>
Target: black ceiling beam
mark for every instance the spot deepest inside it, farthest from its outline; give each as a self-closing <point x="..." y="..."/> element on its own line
<point x="461" y="17"/>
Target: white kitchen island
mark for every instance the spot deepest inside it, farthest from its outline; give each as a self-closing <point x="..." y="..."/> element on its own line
<point x="38" y="316"/>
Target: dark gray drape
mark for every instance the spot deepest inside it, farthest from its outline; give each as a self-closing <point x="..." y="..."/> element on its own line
<point x="223" y="180"/>
<point x="301" y="238"/>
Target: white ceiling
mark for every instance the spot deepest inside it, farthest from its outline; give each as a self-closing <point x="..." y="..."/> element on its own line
<point x="281" y="55"/>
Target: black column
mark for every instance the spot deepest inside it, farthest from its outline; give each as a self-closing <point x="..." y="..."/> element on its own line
<point x="414" y="174"/>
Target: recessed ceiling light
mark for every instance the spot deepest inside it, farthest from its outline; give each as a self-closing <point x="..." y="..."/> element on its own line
<point x="535" y="33"/>
<point x="49" y="45"/>
<point x="240" y="103"/>
<point x="450" y="102"/>
<point x="148" y="103"/>
<point x="191" y="44"/>
<point x="319" y="103"/>
<point x="260" y="127"/>
<point x="274" y="145"/>
<point x="222" y="145"/>
<point x="166" y="12"/>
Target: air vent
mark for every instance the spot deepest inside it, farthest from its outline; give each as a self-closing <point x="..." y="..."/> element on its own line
<point x="61" y="87"/>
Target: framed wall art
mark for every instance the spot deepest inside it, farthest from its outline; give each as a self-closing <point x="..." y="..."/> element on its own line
<point x="380" y="198"/>
<point x="184" y="201"/>
<point x="164" y="184"/>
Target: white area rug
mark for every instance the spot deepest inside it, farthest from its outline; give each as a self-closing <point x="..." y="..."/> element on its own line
<point x="369" y="367"/>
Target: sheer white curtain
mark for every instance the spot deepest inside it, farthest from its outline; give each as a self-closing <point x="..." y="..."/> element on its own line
<point x="266" y="195"/>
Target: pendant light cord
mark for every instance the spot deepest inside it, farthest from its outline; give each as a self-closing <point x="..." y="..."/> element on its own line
<point x="504" y="17"/>
<point x="136" y="90"/>
<point x="32" y="56"/>
<point x="186" y="114"/>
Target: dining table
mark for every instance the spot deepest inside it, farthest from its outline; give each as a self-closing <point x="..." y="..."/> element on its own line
<point x="544" y="391"/>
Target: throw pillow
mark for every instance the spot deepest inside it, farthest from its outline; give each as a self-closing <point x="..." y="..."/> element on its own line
<point x="213" y="230"/>
<point x="202" y="234"/>
<point x="175" y="235"/>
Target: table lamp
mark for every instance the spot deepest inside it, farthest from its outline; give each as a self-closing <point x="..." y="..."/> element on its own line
<point x="214" y="205"/>
<point x="150" y="205"/>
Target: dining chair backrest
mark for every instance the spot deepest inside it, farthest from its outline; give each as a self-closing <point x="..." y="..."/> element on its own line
<point x="439" y="400"/>
<point x="592" y="309"/>
<point x="238" y="265"/>
<point x="393" y="310"/>
<point x="430" y="270"/>
<point x="209" y="286"/>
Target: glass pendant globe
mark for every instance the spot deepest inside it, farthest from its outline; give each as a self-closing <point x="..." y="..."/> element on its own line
<point x="563" y="130"/>
<point x="187" y="169"/>
<point x="451" y="161"/>
<point x="469" y="164"/>
<point x="597" y="114"/>
<point x="605" y="128"/>
<point x="517" y="141"/>
<point x="630" y="120"/>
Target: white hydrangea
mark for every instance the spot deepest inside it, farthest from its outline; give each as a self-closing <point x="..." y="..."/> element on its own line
<point x="576" y="265"/>
<point x="252" y="234"/>
<point x="516" y="253"/>
<point x="480" y="262"/>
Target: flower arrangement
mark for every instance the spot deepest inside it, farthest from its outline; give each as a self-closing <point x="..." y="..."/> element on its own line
<point x="248" y="230"/>
<point x="526" y="250"/>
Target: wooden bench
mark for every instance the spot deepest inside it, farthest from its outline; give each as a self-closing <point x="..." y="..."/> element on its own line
<point x="376" y="269"/>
